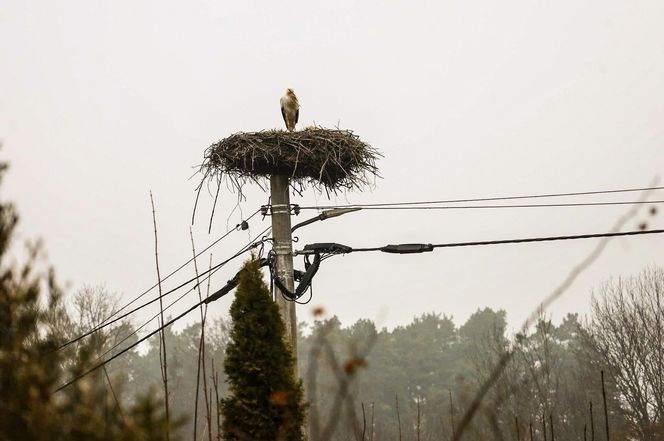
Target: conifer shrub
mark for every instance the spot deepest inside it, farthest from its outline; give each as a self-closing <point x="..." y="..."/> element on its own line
<point x="265" y="401"/>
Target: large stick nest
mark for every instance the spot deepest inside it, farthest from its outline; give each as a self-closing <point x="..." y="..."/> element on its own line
<point x="327" y="159"/>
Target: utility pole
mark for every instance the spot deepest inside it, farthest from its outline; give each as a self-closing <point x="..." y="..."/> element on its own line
<point x="283" y="248"/>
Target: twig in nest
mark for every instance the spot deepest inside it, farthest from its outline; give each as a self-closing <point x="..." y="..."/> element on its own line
<point x="326" y="159"/>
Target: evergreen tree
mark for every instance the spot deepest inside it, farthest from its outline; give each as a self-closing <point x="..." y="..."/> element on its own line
<point x="32" y="326"/>
<point x="265" y="401"/>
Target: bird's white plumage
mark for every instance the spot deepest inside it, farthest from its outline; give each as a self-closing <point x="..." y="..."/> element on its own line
<point x="290" y="109"/>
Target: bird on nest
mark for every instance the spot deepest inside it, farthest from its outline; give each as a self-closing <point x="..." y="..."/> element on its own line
<point x="290" y="109"/>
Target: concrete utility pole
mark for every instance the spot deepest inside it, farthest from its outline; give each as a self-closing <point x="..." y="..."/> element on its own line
<point x="283" y="247"/>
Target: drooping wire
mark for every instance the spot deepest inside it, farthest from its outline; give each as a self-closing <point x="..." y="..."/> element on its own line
<point x="470" y="207"/>
<point x="107" y="321"/>
<point x="225" y="235"/>
<point x="133" y="345"/>
<point x="515" y="241"/>
<point x="486" y="199"/>
<point x="304" y="278"/>
<point x="208" y="274"/>
<point x="163" y="326"/>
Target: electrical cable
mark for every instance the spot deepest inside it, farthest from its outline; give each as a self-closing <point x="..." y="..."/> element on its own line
<point x="305" y="277"/>
<point x="470" y="207"/>
<point x="487" y="199"/>
<point x="133" y="345"/>
<point x="223" y="291"/>
<point x="419" y="248"/>
<point x="103" y="323"/>
<point x="106" y="321"/>
<point x="137" y="330"/>
<point x="209" y="273"/>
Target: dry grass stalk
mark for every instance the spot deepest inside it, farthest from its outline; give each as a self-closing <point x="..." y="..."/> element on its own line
<point x="201" y="351"/>
<point x="396" y="398"/>
<point x="162" y="335"/>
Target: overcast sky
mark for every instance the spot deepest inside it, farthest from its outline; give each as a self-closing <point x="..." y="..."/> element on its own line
<point x="101" y="102"/>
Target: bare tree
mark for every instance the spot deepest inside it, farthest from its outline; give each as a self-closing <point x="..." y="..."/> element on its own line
<point x="627" y="331"/>
<point x="92" y="305"/>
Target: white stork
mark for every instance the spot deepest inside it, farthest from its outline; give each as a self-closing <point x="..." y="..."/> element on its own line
<point x="290" y="109"/>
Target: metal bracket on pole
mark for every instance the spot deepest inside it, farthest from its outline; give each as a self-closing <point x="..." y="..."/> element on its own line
<point x="276" y="209"/>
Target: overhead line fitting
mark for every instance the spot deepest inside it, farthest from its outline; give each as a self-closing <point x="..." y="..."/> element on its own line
<point x="270" y="209"/>
<point x="415" y="248"/>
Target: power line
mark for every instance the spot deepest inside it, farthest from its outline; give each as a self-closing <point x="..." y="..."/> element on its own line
<point x="421" y="247"/>
<point x="239" y="226"/>
<point x="340" y="249"/>
<point x="470" y="207"/>
<point x="107" y="322"/>
<point x="209" y="272"/>
<point x="137" y="330"/>
<point x="103" y="363"/>
<point x="220" y="293"/>
<point x="486" y="199"/>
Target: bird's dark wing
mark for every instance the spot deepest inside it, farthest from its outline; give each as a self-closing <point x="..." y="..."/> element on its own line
<point x="297" y="115"/>
<point x="283" y="114"/>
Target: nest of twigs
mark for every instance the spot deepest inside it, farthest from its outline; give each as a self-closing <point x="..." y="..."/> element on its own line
<point x="330" y="160"/>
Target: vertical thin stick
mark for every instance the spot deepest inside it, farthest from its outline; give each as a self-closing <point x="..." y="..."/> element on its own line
<point x="531" y="431"/>
<point x="585" y="430"/>
<point x="551" y="424"/>
<point x="209" y="409"/>
<point x="516" y="423"/>
<point x="213" y="207"/>
<point x="418" y="418"/>
<point x="115" y="397"/>
<point x="452" y="414"/>
<point x="606" y="410"/>
<point x="207" y="294"/>
<point x="364" y="421"/>
<point x="215" y="381"/>
<point x="209" y="416"/>
<point x="105" y="414"/>
<point x="162" y="340"/>
<point x="544" y="425"/>
<point x="201" y="351"/>
<point x="396" y="397"/>
<point x="592" y="423"/>
<point x="442" y="425"/>
<point x="372" y="422"/>
<point x="198" y="369"/>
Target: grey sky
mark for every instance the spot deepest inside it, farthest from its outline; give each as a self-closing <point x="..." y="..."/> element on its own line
<point x="102" y="101"/>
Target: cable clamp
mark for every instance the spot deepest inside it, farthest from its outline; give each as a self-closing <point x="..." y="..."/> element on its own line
<point x="282" y="249"/>
<point x="272" y="209"/>
<point x="407" y="248"/>
<point x="326" y="247"/>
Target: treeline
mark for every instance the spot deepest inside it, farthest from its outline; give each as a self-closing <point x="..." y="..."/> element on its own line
<point x="357" y="376"/>
<point x="413" y="382"/>
<point x="420" y="379"/>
